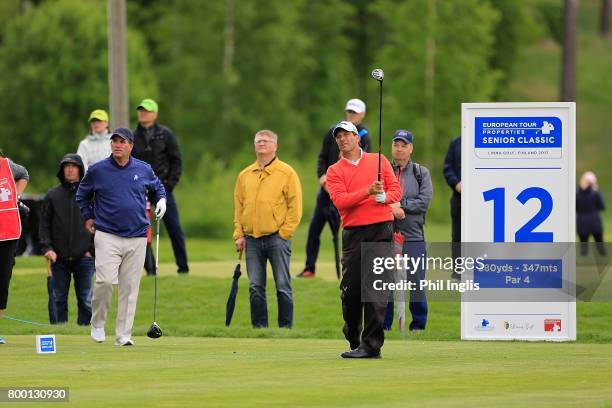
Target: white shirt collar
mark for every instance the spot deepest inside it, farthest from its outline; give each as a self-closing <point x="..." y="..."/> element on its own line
<point x="356" y="162"/>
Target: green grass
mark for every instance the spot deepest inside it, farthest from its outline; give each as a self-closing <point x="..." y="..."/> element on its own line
<point x="241" y="366"/>
<point x="199" y="362"/>
<point x="194" y="305"/>
<point x="179" y="372"/>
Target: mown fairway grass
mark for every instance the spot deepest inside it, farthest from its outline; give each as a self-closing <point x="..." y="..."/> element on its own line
<point x="200" y="362"/>
<point x="210" y="372"/>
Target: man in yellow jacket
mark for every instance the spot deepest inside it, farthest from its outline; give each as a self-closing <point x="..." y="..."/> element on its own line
<point x="267" y="211"/>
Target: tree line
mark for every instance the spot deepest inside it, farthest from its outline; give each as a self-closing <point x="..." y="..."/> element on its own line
<point x="221" y="70"/>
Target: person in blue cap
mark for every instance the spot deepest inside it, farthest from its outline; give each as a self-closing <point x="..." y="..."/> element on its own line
<point x="112" y="199"/>
<point x="409" y="214"/>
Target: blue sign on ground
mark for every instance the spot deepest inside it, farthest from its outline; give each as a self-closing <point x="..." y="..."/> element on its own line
<point x="47" y="344"/>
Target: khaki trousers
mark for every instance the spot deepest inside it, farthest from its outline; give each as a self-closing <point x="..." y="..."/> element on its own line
<point x="119" y="260"/>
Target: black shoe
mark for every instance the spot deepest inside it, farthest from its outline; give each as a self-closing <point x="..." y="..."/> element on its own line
<point x="359" y="353"/>
<point x="354" y="345"/>
<point x="183" y="271"/>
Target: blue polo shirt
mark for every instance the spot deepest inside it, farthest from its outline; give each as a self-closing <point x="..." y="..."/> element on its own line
<point x="115" y="196"/>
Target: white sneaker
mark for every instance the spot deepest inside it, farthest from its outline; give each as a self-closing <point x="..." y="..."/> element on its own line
<point x="2" y="341"/>
<point x="97" y="334"/>
<point x="124" y="342"/>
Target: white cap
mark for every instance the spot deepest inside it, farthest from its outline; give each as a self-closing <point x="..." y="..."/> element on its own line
<point x="355" y="105"/>
<point x="345" y="125"/>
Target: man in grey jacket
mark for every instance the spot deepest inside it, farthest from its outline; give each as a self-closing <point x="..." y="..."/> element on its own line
<point x="409" y="214"/>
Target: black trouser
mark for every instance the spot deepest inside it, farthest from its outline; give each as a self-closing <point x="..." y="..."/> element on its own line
<point x="321" y="215"/>
<point x="584" y="246"/>
<point x="455" y="205"/>
<point x="354" y="310"/>
<point x="175" y="231"/>
<point x="7" y="261"/>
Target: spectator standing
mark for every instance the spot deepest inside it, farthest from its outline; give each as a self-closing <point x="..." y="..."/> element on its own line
<point x="66" y="243"/>
<point x="157" y="145"/>
<point x="267" y="211"/>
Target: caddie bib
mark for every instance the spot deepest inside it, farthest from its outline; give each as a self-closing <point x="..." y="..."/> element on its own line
<point x="10" y="223"/>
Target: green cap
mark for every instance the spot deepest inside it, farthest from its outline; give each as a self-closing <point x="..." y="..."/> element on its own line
<point x="148" y="104"/>
<point x="98" y="114"/>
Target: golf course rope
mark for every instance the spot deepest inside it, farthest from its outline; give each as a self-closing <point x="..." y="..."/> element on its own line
<point x="25" y="321"/>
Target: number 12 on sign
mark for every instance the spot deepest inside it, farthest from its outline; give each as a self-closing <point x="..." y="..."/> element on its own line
<point x="526" y="233"/>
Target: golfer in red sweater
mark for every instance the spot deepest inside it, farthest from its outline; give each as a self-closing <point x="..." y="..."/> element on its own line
<point x="363" y="204"/>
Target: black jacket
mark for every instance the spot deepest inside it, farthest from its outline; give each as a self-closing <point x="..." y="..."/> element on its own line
<point x="452" y="164"/>
<point x="589" y="203"/>
<point x="62" y="228"/>
<point x="161" y="151"/>
<point x="329" y="149"/>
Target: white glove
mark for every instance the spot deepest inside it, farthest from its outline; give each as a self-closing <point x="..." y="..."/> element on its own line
<point x="381" y="197"/>
<point x="160" y="208"/>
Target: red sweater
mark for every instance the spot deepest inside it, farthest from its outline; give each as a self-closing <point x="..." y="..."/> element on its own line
<point x="348" y="184"/>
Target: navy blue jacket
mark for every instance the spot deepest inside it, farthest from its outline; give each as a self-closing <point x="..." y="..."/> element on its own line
<point x="589" y="203"/>
<point x="452" y="164"/>
<point x="115" y="196"/>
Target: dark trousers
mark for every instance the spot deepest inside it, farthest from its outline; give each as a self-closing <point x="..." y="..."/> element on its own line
<point x="584" y="246"/>
<point x="173" y="225"/>
<point x="356" y="313"/>
<point x="322" y="213"/>
<point x="278" y="251"/>
<point x="83" y="270"/>
<point x="418" y="300"/>
<point x="455" y="206"/>
<point x="51" y="301"/>
<point x="7" y="261"/>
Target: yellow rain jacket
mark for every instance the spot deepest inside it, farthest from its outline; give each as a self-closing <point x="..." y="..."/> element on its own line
<point x="267" y="201"/>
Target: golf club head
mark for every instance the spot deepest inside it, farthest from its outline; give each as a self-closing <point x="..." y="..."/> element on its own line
<point x="154" y="331"/>
<point x="378" y="74"/>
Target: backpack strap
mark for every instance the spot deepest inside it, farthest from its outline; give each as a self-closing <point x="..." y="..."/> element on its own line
<point x="418" y="175"/>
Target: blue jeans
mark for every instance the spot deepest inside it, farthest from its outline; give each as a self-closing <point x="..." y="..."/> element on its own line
<point x="418" y="300"/>
<point x="258" y="252"/>
<point x="173" y="226"/>
<point x="83" y="270"/>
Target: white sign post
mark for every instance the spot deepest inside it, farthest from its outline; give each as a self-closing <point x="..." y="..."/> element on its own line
<point x="518" y="186"/>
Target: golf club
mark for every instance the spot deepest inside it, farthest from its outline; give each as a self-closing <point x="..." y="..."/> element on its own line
<point x="155" y="331"/>
<point x="379" y="75"/>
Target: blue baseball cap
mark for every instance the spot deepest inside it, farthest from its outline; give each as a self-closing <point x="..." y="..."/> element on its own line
<point x="403" y="135"/>
<point x="124" y="133"/>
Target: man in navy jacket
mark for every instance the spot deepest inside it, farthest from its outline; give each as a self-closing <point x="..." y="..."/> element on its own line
<point x="112" y="199"/>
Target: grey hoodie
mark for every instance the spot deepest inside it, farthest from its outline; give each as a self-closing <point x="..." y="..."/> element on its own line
<point x="94" y="148"/>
